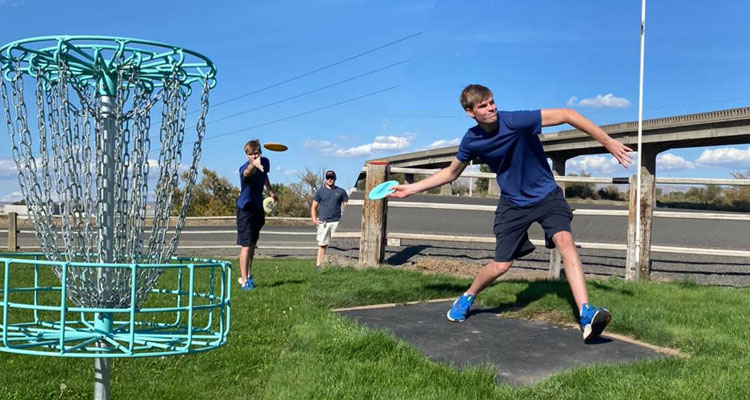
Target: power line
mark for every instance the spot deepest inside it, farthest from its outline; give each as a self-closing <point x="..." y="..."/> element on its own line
<point x="299" y="95"/>
<point x="308" y="92"/>
<point x="318" y="69"/>
<point x="273" y="85"/>
<point x="301" y="114"/>
<point x="294" y="115"/>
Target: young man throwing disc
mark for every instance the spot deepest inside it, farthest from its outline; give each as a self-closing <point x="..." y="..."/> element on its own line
<point x="327" y="205"/>
<point x="507" y="142"/>
<point x="250" y="214"/>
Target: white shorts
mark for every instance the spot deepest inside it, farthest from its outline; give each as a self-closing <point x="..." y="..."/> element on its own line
<point x="325" y="231"/>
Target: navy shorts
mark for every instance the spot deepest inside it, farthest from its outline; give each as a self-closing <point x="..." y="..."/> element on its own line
<point x="512" y="224"/>
<point x="249" y="222"/>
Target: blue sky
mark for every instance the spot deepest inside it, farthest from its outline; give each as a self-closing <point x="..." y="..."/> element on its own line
<point x="343" y="81"/>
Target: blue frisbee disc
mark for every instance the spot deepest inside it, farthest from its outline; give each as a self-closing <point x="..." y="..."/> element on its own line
<point x="382" y="190"/>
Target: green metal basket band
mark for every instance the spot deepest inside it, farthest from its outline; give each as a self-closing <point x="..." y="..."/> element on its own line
<point x="99" y="60"/>
<point x="37" y="319"/>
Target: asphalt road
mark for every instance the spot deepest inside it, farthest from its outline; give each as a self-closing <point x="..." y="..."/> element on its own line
<point x="299" y="241"/>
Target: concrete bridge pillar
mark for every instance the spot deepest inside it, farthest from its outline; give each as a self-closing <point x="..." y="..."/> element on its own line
<point x="558" y="168"/>
<point x="446" y="190"/>
<point x="642" y="270"/>
<point x="492" y="188"/>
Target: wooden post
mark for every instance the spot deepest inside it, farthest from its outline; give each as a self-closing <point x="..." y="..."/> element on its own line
<point x="630" y="268"/>
<point x="558" y="169"/>
<point x="642" y="271"/>
<point x="374" y="217"/>
<point x="555" y="265"/>
<point x="12" y="231"/>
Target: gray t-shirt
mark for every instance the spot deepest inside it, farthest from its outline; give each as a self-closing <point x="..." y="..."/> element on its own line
<point x="330" y="203"/>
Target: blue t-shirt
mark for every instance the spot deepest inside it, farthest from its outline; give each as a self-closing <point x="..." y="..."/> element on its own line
<point x="251" y="188"/>
<point x="515" y="154"/>
<point x="329" y="201"/>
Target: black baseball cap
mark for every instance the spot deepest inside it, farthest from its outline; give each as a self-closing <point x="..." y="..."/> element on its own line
<point x="330" y="174"/>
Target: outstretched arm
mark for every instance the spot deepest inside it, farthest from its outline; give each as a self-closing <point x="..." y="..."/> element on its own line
<point x="557" y="116"/>
<point x="445" y="175"/>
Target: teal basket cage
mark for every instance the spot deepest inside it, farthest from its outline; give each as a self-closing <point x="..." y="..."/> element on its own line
<point x="78" y="112"/>
<point x="188" y="312"/>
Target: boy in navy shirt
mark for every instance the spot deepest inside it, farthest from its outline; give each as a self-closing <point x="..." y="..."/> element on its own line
<point x="250" y="214"/>
<point x="507" y="142"/>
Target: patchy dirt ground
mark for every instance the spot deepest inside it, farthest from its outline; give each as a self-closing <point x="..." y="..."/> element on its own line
<point x="442" y="266"/>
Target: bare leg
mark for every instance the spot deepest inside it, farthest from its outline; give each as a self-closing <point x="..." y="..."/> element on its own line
<point x="244" y="256"/>
<point x="487" y="275"/>
<point x="573" y="267"/>
<point x="250" y="261"/>
<point x="321" y="253"/>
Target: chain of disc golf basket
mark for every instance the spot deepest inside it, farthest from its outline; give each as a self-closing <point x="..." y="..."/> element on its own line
<point x="66" y="171"/>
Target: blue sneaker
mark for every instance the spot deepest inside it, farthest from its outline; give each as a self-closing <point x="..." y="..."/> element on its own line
<point x="461" y="308"/>
<point x="249" y="284"/>
<point x="593" y="321"/>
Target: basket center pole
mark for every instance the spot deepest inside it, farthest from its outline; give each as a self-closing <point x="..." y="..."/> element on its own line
<point x="106" y="224"/>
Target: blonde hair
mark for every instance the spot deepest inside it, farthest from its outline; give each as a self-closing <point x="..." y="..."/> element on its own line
<point x="473" y="94"/>
<point x="252" y="145"/>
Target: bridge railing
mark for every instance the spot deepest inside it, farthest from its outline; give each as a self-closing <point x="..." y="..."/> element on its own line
<point x="555" y="259"/>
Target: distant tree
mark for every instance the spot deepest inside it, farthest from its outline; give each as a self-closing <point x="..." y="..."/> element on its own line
<point x="311" y="181"/>
<point x="581" y="190"/>
<point x="483" y="184"/>
<point x="297" y="197"/>
<point x="212" y="195"/>
<point x="19" y="203"/>
<point x="291" y="201"/>
<point x="610" y="192"/>
<point x="739" y="196"/>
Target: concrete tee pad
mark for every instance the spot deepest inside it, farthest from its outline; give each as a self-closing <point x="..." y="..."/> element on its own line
<point x="524" y="352"/>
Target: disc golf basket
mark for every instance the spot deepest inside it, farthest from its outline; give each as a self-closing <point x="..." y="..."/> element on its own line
<point x="83" y="147"/>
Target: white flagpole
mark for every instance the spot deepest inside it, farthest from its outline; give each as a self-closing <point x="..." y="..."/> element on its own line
<point x="640" y="143"/>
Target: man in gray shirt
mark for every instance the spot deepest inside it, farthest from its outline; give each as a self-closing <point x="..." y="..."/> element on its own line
<point x="327" y="205"/>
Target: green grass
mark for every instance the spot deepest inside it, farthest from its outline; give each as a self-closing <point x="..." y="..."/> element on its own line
<point x="286" y="344"/>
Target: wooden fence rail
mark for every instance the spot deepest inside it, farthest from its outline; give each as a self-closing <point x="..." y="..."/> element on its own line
<point x="638" y="266"/>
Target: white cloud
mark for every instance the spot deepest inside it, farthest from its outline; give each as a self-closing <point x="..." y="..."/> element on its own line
<point x="444" y="143"/>
<point x="379" y="144"/>
<point x="393" y="142"/>
<point x="726" y="157"/>
<point x="671" y="162"/>
<point x="310" y="143"/>
<point x="357" y="151"/>
<point x="7" y="168"/>
<point x="594" y="165"/>
<point x="291" y="172"/>
<point x="11" y="197"/>
<point x="609" y="101"/>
